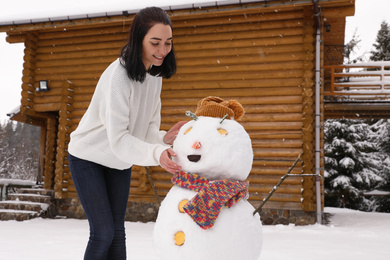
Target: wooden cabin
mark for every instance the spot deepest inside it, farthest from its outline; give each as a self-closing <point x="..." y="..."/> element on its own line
<point x="261" y="53"/>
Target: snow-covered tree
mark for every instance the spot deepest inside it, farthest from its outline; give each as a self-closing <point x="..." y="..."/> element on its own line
<point x="19" y="149"/>
<point x="382" y="44"/>
<point x="350" y="48"/>
<point x="382" y="138"/>
<point x="353" y="163"/>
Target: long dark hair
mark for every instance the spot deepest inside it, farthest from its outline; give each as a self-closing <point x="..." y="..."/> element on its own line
<point x="131" y="54"/>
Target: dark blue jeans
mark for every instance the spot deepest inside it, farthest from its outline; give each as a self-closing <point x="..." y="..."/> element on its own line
<point x="103" y="193"/>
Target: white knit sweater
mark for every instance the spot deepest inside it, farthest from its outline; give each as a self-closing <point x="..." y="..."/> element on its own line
<point x="121" y="126"/>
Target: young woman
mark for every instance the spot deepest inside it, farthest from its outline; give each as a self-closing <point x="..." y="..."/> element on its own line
<point x="121" y="128"/>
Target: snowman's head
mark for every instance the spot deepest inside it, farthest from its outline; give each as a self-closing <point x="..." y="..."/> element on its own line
<point x="214" y="148"/>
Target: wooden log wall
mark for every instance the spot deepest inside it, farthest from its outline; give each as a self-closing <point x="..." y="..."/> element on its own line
<point x="263" y="57"/>
<point x="256" y="57"/>
<point x="28" y="89"/>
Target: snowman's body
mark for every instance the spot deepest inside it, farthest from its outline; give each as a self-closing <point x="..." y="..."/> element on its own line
<point x="215" y="150"/>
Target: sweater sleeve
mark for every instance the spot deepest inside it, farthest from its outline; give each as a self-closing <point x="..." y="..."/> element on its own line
<point x="154" y="134"/>
<point x="123" y="144"/>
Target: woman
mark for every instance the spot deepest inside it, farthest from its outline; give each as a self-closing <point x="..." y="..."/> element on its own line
<point x="121" y="128"/>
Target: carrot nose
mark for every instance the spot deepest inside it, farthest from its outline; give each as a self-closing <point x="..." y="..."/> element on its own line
<point x="196" y="145"/>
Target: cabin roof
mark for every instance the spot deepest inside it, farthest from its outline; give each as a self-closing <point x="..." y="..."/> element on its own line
<point x="43" y="11"/>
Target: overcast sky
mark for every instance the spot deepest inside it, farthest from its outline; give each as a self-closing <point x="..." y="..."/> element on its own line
<point x="368" y="16"/>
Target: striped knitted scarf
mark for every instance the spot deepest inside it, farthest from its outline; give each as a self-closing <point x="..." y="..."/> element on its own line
<point x="205" y="207"/>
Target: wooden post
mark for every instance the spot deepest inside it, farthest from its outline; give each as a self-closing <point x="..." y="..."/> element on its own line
<point x="42" y="147"/>
<point x="64" y="130"/>
<point x="51" y="130"/>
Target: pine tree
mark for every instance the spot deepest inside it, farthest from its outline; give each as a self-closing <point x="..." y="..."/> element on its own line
<point x="10" y="150"/>
<point x="3" y="151"/>
<point x="352" y="163"/>
<point x="19" y="150"/>
<point x="350" y="48"/>
<point x="382" y="138"/>
<point x="382" y="45"/>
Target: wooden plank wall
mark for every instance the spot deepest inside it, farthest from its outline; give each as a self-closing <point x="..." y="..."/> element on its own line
<point x="261" y="57"/>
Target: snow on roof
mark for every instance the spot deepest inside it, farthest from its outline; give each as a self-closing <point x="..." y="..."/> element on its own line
<point x="12" y="113"/>
<point x="27" y="11"/>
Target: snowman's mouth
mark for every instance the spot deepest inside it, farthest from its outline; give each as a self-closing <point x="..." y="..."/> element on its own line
<point x="194" y="157"/>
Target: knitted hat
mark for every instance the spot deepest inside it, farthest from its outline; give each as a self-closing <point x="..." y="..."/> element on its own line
<point x="217" y="107"/>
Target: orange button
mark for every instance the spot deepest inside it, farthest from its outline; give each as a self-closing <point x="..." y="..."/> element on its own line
<point x="180" y="237"/>
<point x="181" y="205"/>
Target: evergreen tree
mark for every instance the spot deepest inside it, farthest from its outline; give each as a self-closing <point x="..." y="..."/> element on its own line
<point x="352" y="163"/>
<point x="382" y="45"/>
<point x="19" y="150"/>
<point x="350" y="48"/>
<point x="3" y="150"/>
<point x="9" y="148"/>
<point x="382" y="138"/>
<point x="382" y="128"/>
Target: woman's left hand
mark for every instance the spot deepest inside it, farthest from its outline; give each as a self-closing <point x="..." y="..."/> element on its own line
<point x="167" y="163"/>
<point x="170" y="136"/>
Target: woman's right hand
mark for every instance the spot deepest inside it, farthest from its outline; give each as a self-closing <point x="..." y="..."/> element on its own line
<point x="170" y="136"/>
<point x="167" y="163"/>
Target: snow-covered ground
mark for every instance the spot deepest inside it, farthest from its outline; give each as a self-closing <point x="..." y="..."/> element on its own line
<point x="350" y="235"/>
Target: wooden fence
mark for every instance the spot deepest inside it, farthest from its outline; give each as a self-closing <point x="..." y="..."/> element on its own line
<point x="357" y="82"/>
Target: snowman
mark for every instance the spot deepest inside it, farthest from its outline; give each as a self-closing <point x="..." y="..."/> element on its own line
<point x="206" y="215"/>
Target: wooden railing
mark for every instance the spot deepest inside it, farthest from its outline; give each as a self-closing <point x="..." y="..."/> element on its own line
<point x="357" y="82"/>
<point x="7" y="184"/>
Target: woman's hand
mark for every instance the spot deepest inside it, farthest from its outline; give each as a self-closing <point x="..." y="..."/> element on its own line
<point x="167" y="163"/>
<point x="170" y="136"/>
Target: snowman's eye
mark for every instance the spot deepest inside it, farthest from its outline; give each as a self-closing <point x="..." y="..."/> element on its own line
<point x="188" y="130"/>
<point x="222" y="131"/>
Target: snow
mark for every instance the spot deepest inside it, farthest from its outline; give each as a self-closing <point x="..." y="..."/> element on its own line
<point x="377" y="193"/>
<point x="17" y="211"/>
<point x="214" y="163"/>
<point x="20" y="11"/>
<point x="341" y="181"/>
<point x="347" y="162"/>
<point x="350" y="235"/>
<point x="7" y="182"/>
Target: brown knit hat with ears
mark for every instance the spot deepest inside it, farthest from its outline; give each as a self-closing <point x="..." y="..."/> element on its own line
<point x="217" y="107"/>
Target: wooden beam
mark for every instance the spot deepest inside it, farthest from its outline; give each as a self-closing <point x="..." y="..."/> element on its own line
<point x="357" y="110"/>
<point x="358" y="106"/>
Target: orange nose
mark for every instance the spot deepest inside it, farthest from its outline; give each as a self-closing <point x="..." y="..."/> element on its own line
<point x="196" y="145"/>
